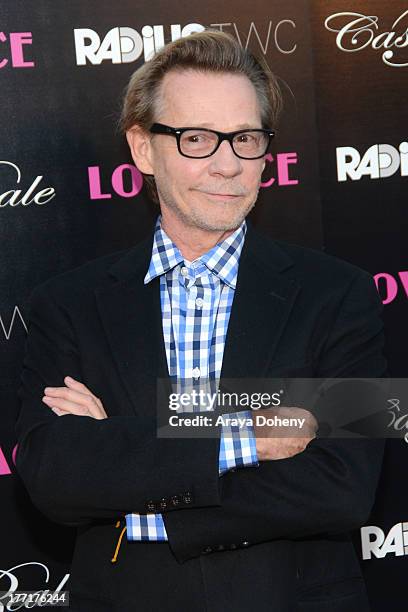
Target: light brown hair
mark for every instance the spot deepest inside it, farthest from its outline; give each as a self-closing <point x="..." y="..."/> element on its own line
<point x="210" y="50"/>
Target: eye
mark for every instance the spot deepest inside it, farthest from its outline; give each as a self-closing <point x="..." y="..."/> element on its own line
<point x="247" y="137"/>
<point x="197" y="138"/>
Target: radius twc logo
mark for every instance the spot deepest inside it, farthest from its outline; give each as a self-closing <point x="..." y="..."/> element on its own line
<point x="123" y="45"/>
<point x="375" y="543"/>
<point x="379" y="161"/>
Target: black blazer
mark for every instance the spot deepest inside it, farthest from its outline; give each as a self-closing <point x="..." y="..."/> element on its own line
<point x="275" y="537"/>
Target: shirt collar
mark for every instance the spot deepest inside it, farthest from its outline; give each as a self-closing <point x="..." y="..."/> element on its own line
<point x="222" y="260"/>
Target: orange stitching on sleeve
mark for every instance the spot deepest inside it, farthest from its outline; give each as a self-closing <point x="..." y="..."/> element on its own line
<point x="113" y="560"/>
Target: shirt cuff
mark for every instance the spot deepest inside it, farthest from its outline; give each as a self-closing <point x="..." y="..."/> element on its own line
<point x="238" y="443"/>
<point x="237" y="449"/>
<point x="145" y="527"/>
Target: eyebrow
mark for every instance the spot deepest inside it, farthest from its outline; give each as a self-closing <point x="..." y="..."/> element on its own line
<point x="241" y="126"/>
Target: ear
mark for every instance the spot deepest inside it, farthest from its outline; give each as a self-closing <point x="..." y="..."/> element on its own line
<point x="140" y="148"/>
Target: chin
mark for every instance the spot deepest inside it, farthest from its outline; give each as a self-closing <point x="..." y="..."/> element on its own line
<point x="219" y="223"/>
<point x="228" y="219"/>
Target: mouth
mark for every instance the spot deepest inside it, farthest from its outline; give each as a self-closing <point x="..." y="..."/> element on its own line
<point x="221" y="196"/>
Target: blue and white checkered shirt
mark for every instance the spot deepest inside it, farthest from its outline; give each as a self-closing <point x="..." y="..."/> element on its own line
<point x="196" y="300"/>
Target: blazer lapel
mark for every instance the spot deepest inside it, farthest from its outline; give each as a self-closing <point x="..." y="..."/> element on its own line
<point x="261" y="307"/>
<point x="131" y="317"/>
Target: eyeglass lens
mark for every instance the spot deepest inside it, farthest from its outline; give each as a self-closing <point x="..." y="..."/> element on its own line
<point x="199" y="143"/>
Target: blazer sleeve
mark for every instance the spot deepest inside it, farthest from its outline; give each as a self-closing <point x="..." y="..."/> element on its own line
<point x="329" y="487"/>
<point x="78" y="468"/>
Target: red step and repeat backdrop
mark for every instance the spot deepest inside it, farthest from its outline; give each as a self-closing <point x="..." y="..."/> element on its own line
<point x="69" y="193"/>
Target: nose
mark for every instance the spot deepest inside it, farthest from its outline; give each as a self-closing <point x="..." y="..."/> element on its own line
<point x="224" y="161"/>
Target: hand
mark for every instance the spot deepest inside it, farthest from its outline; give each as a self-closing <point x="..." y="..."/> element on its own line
<point x="281" y="442"/>
<point x="75" y="398"/>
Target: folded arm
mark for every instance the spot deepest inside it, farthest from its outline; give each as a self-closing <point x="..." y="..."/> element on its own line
<point x="80" y="468"/>
<point x="329" y="487"/>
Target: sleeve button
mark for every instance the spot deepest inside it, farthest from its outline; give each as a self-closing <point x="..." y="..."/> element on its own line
<point x="187" y="498"/>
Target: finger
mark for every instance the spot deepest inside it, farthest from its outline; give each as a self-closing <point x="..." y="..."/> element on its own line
<point x="76" y="384"/>
<point x="67" y="393"/>
<point x="59" y="412"/>
<point x="62" y="404"/>
<point x="75" y="399"/>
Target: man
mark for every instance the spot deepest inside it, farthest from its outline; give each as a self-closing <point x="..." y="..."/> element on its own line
<point x="199" y="524"/>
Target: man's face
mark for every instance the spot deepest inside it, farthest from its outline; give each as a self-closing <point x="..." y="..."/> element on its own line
<point x="215" y="193"/>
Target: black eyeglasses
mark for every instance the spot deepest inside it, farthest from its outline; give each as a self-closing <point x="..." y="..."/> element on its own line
<point x="201" y="142"/>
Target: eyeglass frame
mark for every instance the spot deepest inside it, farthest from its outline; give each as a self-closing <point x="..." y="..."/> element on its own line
<point x="161" y="128"/>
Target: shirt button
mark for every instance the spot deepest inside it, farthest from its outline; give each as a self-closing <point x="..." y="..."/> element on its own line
<point x="196" y="373"/>
<point x="184" y="271"/>
<point x="199" y="302"/>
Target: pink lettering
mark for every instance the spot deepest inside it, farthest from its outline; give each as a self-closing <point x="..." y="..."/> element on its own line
<point x="94" y="179"/>
<point x="13" y="454"/>
<point x="136" y="180"/>
<point x="404" y="279"/>
<point x="3" y="39"/>
<point x="283" y="160"/>
<point x="17" y="41"/>
<point x="391" y="285"/>
<point x="117" y="181"/>
<point x="4" y="468"/>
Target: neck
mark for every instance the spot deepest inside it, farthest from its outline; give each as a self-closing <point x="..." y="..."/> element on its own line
<point x="194" y="242"/>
